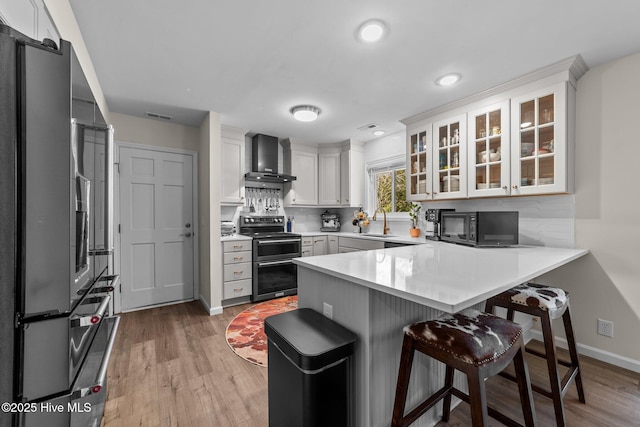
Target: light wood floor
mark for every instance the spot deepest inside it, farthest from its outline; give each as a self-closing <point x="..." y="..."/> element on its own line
<point x="171" y="366"/>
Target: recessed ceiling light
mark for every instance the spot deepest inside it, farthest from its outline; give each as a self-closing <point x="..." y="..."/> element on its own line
<point x="371" y="31"/>
<point x="378" y="132"/>
<point x="305" y="113"/>
<point x="448" y="79"/>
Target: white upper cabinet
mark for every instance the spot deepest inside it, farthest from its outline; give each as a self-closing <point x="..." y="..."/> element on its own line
<point x="329" y="177"/>
<point x="450" y="157"/>
<point x="301" y="161"/>
<point x="232" y="165"/>
<point x="419" y="162"/>
<point x="539" y="141"/>
<point x="489" y="148"/>
<point x="352" y="174"/>
<point x="516" y="139"/>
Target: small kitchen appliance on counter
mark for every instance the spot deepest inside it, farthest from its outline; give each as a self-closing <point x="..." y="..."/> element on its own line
<point x="330" y="221"/>
<point x="227" y="228"/>
<point x="434" y="218"/>
<point x="481" y="229"/>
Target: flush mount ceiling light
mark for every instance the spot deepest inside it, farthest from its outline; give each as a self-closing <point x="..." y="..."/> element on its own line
<point x="305" y="113"/>
<point x="372" y="31"/>
<point x="378" y="132"/>
<point x="448" y="79"/>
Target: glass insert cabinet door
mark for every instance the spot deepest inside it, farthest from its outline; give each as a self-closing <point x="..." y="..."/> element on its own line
<point x="419" y="164"/>
<point x="489" y="151"/>
<point x="450" y="149"/>
<point x="539" y="142"/>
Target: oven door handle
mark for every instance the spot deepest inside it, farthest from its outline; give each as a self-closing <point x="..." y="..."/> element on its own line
<point x="264" y="264"/>
<point x="270" y="242"/>
<point x="88" y="320"/>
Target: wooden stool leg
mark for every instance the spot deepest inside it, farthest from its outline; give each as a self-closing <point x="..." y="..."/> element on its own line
<point x="552" y="365"/>
<point x="573" y="352"/>
<point x="524" y="386"/>
<point x="404" y="374"/>
<point x="448" y="382"/>
<point x="477" y="399"/>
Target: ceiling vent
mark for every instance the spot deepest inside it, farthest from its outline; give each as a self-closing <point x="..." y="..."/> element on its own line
<point x="158" y="116"/>
<point x="370" y="126"/>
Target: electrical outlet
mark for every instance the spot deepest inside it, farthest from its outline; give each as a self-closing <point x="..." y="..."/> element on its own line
<point x="605" y="328"/>
<point x="327" y="310"/>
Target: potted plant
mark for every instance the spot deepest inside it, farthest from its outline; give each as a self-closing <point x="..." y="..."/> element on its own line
<point x="414" y="214"/>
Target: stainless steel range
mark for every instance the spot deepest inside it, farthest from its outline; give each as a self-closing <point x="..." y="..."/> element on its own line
<point x="274" y="273"/>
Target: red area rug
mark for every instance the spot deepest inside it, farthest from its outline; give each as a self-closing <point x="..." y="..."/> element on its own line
<point x="245" y="333"/>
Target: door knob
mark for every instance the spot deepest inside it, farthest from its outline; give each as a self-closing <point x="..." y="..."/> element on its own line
<point x="187" y="234"/>
<point x="188" y="225"/>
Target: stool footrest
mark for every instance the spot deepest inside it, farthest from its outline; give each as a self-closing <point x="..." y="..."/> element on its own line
<point x="564" y="384"/>
<point x="416" y="412"/>
<point x="544" y="356"/>
<point x="492" y="412"/>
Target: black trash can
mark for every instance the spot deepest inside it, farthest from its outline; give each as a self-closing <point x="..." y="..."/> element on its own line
<point x="310" y="375"/>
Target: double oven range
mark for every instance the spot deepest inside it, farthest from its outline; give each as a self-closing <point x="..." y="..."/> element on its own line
<point x="274" y="273"/>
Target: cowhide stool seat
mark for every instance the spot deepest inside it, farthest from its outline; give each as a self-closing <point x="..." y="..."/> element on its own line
<point x="547" y="303"/>
<point x="478" y="344"/>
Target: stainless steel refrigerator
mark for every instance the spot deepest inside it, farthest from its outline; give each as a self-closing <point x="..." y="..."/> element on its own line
<point x="56" y="238"/>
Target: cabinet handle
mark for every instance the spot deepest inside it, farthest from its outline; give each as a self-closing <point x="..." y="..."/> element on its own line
<point x="515" y="187"/>
<point x="427" y="193"/>
<point x="237" y="246"/>
<point x="505" y="188"/>
<point x="238" y="258"/>
<point x="347" y="200"/>
<point x="237" y="272"/>
<point x="237" y="289"/>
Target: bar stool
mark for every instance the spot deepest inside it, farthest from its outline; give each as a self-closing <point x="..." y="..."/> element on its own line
<point x="480" y="345"/>
<point x="547" y="303"/>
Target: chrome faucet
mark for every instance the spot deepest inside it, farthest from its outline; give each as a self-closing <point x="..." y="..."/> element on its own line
<point x="385" y="229"/>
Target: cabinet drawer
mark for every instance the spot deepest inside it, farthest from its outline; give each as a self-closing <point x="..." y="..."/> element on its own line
<point x="237" y="257"/>
<point x="237" y="288"/>
<point x="237" y="246"/>
<point x="307" y="251"/>
<point x="307" y="241"/>
<point x="363" y="244"/>
<point x="237" y="271"/>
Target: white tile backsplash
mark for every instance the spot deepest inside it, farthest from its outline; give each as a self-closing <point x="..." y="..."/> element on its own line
<point x="544" y="220"/>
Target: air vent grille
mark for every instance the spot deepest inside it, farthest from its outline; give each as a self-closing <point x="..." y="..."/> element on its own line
<point x="158" y="116"/>
<point x="370" y="126"/>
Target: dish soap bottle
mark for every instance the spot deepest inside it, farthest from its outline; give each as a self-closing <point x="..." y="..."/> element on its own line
<point x="289" y="224"/>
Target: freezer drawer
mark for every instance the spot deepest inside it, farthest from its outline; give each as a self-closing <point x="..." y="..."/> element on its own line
<point x="84" y="405"/>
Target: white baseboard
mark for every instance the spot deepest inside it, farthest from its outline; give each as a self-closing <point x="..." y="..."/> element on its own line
<point x="212" y="311"/>
<point x="596" y="353"/>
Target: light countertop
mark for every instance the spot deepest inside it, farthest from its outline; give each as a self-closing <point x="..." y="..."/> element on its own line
<point x="442" y="275"/>
<point x="234" y="237"/>
<point x="396" y="238"/>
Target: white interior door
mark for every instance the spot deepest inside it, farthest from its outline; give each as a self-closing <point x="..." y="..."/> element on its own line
<point x="156" y="218"/>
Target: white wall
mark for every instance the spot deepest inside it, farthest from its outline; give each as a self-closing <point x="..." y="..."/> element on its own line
<point x="606" y="283"/>
<point x="154" y="132"/>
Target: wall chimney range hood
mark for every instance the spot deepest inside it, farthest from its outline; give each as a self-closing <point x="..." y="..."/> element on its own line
<point x="264" y="162"/>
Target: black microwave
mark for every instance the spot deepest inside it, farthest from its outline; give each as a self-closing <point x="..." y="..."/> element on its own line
<point x="499" y="228"/>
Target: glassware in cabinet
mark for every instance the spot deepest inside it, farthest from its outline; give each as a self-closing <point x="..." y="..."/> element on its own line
<point x="419" y="165"/>
<point x="540" y="166"/>
<point x="450" y="158"/>
<point x="489" y="150"/>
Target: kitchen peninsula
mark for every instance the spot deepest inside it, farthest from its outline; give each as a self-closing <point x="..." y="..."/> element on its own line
<point x="375" y="293"/>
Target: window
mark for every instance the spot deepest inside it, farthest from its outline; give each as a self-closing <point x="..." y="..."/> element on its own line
<point x="390" y="189"/>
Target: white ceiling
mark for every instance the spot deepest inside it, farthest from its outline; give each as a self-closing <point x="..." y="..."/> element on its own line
<point x="252" y="60"/>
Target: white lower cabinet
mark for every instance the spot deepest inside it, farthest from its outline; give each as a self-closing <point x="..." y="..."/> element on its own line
<point x="236" y="269"/>
<point x="332" y="244"/>
<point x="350" y="244"/>
<point x="319" y="245"/>
<point x="307" y="246"/>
